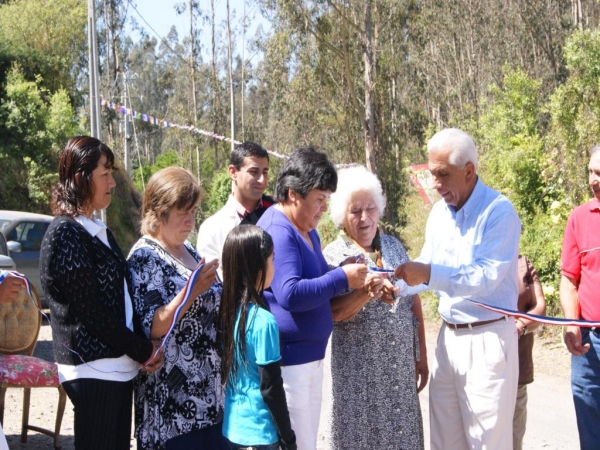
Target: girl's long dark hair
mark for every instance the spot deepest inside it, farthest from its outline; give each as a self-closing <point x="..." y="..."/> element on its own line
<point x="244" y="262"/>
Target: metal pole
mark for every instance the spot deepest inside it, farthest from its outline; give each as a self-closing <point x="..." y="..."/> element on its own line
<point x="230" y="63"/>
<point x="93" y="77"/>
<point x="93" y="71"/>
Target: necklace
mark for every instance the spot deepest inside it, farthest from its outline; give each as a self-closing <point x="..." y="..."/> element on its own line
<point x="178" y="254"/>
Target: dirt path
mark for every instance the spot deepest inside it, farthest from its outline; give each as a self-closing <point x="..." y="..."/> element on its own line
<point x="551" y="423"/>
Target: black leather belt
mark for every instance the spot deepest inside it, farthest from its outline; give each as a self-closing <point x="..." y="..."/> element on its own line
<point x="458" y="326"/>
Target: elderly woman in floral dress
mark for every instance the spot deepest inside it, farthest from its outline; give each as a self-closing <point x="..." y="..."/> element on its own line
<point x="378" y="354"/>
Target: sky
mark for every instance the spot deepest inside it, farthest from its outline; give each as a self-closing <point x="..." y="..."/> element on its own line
<point x="160" y="15"/>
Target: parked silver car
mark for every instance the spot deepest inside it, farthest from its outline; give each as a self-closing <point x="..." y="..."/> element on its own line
<point x="6" y="262"/>
<point x="24" y="233"/>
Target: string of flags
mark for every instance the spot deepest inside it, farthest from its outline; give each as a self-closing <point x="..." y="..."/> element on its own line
<point x="164" y="124"/>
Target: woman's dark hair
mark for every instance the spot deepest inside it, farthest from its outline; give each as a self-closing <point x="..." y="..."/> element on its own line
<point x="74" y="190"/>
<point x="306" y="169"/>
<point x="244" y="262"/>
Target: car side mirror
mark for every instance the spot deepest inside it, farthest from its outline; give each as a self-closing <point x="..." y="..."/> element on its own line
<point x="13" y="246"/>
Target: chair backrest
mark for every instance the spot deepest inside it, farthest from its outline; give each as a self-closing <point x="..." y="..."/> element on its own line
<point x="20" y="323"/>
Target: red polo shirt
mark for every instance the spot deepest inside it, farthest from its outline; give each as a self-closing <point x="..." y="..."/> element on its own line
<point x="580" y="259"/>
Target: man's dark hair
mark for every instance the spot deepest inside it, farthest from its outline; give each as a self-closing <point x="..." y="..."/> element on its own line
<point x="244" y="150"/>
<point x="306" y="169"/>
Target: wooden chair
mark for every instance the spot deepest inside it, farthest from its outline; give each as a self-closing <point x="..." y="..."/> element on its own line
<point x="20" y="323"/>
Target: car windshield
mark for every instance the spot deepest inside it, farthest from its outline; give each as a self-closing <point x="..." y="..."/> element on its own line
<point x="3" y="224"/>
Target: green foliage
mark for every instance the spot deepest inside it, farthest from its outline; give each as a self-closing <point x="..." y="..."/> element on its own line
<point x="49" y="37"/>
<point x="541" y="242"/>
<point x="23" y="115"/>
<point x="34" y="124"/>
<point x="327" y="230"/>
<point x="39" y="185"/>
<point x="575" y="116"/>
<point x="511" y="143"/>
<point x="218" y="193"/>
<point x="142" y="174"/>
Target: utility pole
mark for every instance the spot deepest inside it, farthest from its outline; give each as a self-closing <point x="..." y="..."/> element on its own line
<point x="193" y="73"/>
<point x="232" y="97"/>
<point x="94" y="79"/>
<point x="93" y="71"/>
<point x="243" y="67"/>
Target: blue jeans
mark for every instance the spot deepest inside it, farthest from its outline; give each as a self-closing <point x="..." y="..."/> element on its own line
<point x="585" y="384"/>
<point x="233" y="446"/>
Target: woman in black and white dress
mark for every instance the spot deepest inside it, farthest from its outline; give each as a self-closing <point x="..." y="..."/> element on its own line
<point x="85" y="278"/>
<point x="181" y="405"/>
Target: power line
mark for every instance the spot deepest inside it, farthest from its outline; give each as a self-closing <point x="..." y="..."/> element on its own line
<point x="164" y="41"/>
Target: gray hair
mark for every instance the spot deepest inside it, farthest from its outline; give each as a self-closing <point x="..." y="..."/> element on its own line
<point x="595" y="149"/>
<point x="351" y="180"/>
<point x="461" y="145"/>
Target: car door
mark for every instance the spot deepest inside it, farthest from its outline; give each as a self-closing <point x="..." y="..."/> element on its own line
<point x="29" y="234"/>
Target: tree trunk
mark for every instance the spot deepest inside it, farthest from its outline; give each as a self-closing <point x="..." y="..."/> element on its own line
<point x="372" y="158"/>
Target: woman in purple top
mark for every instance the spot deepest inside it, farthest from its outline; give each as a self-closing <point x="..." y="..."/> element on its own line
<point x="304" y="290"/>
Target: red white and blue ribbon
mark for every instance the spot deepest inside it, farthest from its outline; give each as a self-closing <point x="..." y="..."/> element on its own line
<point x="187" y="292"/>
<point x="537" y="318"/>
<point x="411" y="290"/>
<point x="21" y="277"/>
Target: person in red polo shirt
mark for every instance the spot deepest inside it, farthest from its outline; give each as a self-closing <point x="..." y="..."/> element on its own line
<point x="579" y="299"/>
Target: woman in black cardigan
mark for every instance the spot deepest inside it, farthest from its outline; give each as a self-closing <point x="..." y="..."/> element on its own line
<point x="85" y="278"/>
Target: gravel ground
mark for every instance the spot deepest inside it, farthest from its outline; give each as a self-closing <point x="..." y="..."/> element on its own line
<point x="551" y="423"/>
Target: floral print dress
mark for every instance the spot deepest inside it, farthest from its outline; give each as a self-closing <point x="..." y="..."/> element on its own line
<point x="374" y="401"/>
<point x="185" y="394"/>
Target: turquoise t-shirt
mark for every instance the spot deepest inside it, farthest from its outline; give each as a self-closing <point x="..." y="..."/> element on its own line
<point x="247" y="418"/>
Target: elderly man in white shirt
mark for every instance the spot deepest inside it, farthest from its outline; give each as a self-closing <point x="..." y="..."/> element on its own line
<point x="470" y="253"/>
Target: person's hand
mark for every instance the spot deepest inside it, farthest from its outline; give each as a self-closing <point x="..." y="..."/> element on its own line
<point x="374" y="285"/>
<point x="413" y="273"/>
<point x="206" y="277"/>
<point x="356" y="274"/>
<point x="389" y="291"/>
<point x="573" y="341"/>
<point x="421" y="374"/>
<point x="360" y="259"/>
<point x="156" y="359"/>
<point x="10" y="288"/>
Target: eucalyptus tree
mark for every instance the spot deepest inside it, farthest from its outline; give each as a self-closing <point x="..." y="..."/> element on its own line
<point x="48" y="37"/>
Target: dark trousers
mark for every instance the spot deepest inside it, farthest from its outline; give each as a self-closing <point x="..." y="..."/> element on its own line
<point x="209" y="438"/>
<point x="102" y="413"/>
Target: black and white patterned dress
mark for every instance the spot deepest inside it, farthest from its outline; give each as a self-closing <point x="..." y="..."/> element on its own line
<point x="185" y="394"/>
<point x="374" y="404"/>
